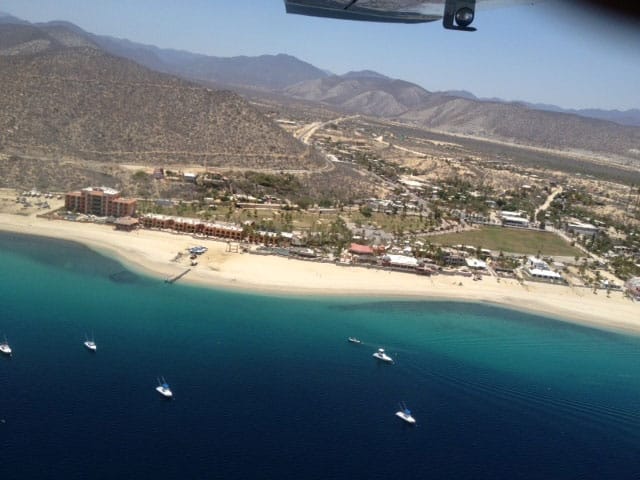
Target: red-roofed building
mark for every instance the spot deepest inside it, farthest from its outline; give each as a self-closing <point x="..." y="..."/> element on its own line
<point x="357" y="249"/>
<point x="362" y="253"/>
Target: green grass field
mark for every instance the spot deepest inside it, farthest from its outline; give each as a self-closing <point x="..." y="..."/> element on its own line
<point x="511" y="240"/>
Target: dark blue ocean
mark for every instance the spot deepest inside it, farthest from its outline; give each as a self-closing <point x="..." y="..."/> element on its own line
<point x="268" y="387"/>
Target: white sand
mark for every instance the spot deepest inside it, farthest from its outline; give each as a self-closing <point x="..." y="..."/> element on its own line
<point x="153" y="252"/>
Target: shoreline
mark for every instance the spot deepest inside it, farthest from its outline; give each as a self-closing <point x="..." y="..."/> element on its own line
<point x="152" y="253"/>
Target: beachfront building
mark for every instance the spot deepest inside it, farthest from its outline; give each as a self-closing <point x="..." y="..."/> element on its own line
<point x="454" y="259"/>
<point x="539" y="269"/>
<point x="264" y="238"/>
<point x="400" y="262"/>
<point x="101" y="202"/>
<point x="126" y="224"/>
<point x="545" y="274"/>
<point x="192" y="226"/>
<point x="227" y="231"/>
<point x="476" y="264"/>
<point x="535" y="262"/>
<point x="362" y="253"/>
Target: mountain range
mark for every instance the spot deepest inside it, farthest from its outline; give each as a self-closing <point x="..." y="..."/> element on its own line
<point x="371" y="93"/>
<point x="274" y="72"/>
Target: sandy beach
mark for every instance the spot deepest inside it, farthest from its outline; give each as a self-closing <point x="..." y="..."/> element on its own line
<point x="154" y="253"/>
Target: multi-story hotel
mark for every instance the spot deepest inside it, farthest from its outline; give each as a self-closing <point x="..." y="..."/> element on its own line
<point x="100" y="201"/>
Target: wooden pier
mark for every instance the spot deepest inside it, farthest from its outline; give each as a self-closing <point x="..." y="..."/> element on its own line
<point x="177" y="277"/>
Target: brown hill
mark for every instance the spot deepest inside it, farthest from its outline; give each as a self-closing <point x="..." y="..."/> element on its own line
<point x="362" y="92"/>
<point x="522" y="125"/>
<point x="63" y="97"/>
<point x="395" y="99"/>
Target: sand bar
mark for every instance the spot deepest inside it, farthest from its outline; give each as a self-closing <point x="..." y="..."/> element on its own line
<point x="154" y="253"/>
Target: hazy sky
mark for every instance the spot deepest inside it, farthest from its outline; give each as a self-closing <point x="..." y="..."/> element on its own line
<point x="544" y="52"/>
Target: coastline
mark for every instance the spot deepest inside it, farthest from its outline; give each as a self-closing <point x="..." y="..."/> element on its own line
<point x="152" y="253"/>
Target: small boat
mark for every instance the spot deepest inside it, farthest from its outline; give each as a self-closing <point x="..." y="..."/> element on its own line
<point x="90" y="344"/>
<point x="4" y="347"/>
<point x="354" y="340"/>
<point x="405" y="414"/>
<point x="163" y="388"/>
<point x="382" y="356"/>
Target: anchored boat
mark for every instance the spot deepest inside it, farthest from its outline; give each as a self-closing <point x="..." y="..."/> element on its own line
<point x="405" y="414"/>
<point x="90" y="344"/>
<point x="382" y="356"/>
<point x="4" y="347"/>
<point x="163" y="388"/>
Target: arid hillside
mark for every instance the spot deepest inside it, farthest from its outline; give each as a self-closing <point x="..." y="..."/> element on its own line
<point x="63" y="97"/>
<point x="376" y="95"/>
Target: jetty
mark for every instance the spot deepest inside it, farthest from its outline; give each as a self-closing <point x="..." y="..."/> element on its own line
<point x="177" y="277"/>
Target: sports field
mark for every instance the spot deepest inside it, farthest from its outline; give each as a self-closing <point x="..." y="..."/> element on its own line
<point x="511" y="240"/>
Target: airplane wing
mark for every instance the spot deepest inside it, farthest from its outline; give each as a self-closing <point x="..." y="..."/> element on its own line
<point x="455" y="14"/>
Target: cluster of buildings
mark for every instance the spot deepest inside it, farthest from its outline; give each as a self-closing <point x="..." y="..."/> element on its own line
<point x="402" y="260"/>
<point x="400" y="203"/>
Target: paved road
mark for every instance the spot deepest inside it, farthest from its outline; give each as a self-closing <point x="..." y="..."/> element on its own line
<point x="306" y="132"/>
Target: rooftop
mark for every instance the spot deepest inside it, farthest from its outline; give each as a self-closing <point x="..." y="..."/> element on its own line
<point x="126" y="221"/>
<point x="105" y="190"/>
<point x="536" y="272"/>
<point x="401" y="260"/>
<point x="361" y="249"/>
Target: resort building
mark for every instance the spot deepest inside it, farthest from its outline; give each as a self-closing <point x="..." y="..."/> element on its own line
<point x="539" y="269"/>
<point x="194" y="226"/>
<point x="227" y="231"/>
<point x="454" y="259"/>
<point x="100" y="201"/>
<point x="400" y="262"/>
<point x="544" y="274"/>
<point x="362" y="253"/>
<point x="476" y="264"/>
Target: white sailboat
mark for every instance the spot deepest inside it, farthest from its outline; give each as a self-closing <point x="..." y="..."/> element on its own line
<point x="163" y="388"/>
<point x="90" y="344"/>
<point x="405" y="414"/>
<point x="4" y="347"/>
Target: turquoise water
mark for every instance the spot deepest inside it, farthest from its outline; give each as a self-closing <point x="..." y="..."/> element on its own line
<point x="268" y="387"/>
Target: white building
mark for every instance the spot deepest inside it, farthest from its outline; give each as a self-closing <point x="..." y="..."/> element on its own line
<point x="513" y="219"/>
<point x="581" y="228"/>
<point x="400" y="261"/>
<point x="534" y="262"/>
<point x="475" y="264"/>
<point x="544" y="274"/>
<point x="514" y="222"/>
